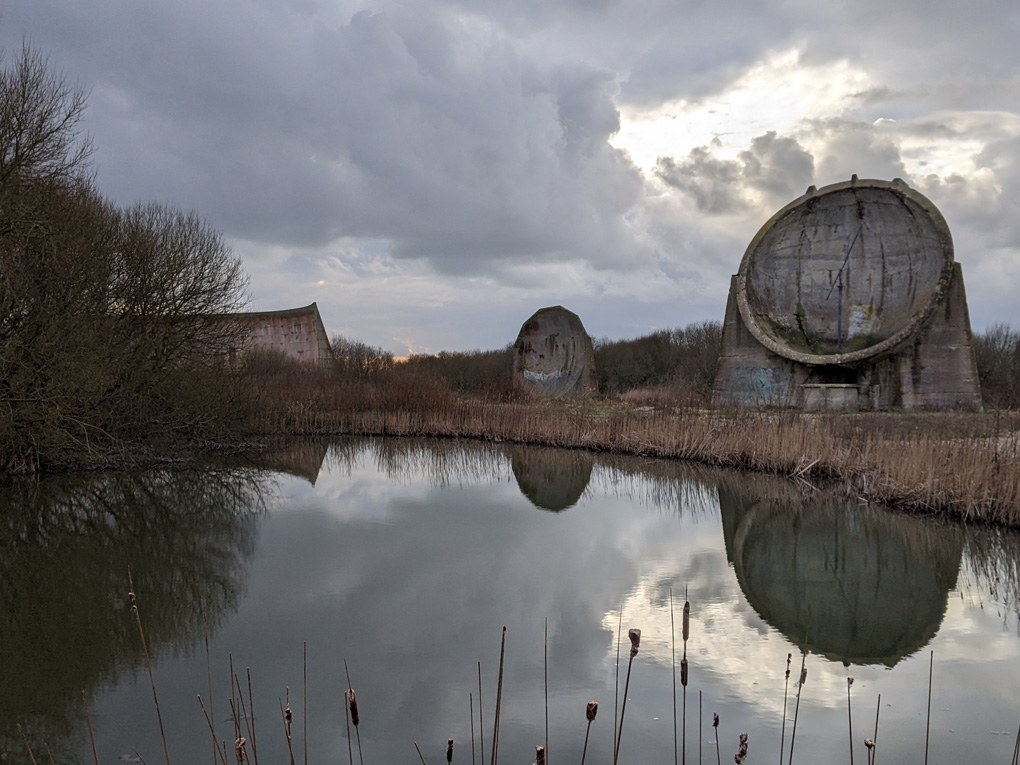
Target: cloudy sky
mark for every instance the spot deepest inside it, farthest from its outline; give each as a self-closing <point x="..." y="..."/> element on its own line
<point x="431" y="172"/>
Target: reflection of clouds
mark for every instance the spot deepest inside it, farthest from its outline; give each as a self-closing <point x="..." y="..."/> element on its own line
<point x="408" y="567"/>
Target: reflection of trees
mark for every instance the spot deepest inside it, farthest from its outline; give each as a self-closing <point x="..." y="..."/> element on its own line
<point x="65" y="550"/>
<point x="552" y="479"/>
<point x="855" y="584"/>
<point x="544" y="474"/>
<point x="994" y="558"/>
<point x="441" y="461"/>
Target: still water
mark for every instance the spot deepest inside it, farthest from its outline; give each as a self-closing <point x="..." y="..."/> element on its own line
<point x="406" y="559"/>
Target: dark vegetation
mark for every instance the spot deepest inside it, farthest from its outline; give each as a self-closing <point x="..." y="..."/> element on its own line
<point x="109" y="336"/>
<point x="997" y="351"/>
<point x="114" y="340"/>
<point x="677" y="364"/>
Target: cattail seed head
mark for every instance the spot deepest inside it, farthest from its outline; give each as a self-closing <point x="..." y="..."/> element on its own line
<point x="789" y="658"/>
<point x="539" y="755"/>
<point x="849" y="682"/>
<point x="687" y="620"/>
<point x="741" y="754"/>
<point x="635" y="641"/>
<point x="683" y="672"/>
<point x="715" y="719"/>
<point x="241" y="750"/>
<point x="803" y="675"/>
<point x="591" y="710"/>
<point x="449" y="750"/>
<point x="288" y="716"/>
<point x="131" y="595"/>
<point x="352" y="701"/>
<point x="869" y="743"/>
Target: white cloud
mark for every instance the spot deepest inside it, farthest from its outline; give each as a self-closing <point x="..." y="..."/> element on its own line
<point x="406" y="164"/>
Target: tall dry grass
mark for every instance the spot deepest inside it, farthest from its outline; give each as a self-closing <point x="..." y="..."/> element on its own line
<point x="956" y="465"/>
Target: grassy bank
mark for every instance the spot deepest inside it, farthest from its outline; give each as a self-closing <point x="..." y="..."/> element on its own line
<point x="956" y="465"/>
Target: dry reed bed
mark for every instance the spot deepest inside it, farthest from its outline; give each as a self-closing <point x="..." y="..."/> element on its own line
<point x="945" y="466"/>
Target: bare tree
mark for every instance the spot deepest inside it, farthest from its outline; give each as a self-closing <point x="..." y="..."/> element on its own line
<point x="112" y="327"/>
<point x="40" y="122"/>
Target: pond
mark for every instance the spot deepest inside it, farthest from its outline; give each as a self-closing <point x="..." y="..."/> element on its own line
<point x="401" y="561"/>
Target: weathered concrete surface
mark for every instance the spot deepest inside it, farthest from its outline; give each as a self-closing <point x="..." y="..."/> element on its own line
<point x="297" y="333"/>
<point x="849" y="298"/>
<point x="554" y="355"/>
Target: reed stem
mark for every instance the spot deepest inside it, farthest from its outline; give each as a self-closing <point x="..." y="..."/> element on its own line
<point x="590" y="711"/>
<point x="251" y="712"/>
<point x="499" y="699"/>
<point x="353" y="707"/>
<point x="212" y="730"/>
<point x="672" y="646"/>
<point x="849" y="717"/>
<point x="288" y="717"/>
<point x="481" y="730"/>
<point x="233" y="698"/>
<point x="304" y="695"/>
<point x="245" y="713"/>
<point x="419" y="753"/>
<point x="796" y="709"/>
<point x="715" y="724"/>
<point x="545" y="663"/>
<point x="635" y="642"/>
<point x="208" y="677"/>
<point x="148" y="664"/>
<point x="927" y="725"/>
<point x="786" y="691"/>
<point x="471" y="716"/>
<point x="28" y="746"/>
<point x="686" y="632"/>
<point x="873" y="753"/>
<point x="616" y="691"/>
<point x="347" y="718"/>
<point x="88" y="718"/>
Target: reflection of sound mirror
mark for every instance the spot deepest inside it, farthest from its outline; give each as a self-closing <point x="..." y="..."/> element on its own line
<point x="552" y="479"/>
<point x="853" y="584"/>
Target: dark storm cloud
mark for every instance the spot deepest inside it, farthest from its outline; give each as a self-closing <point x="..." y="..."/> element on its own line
<point x="471" y="140"/>
<point x="770" y="172"/>
<point x="288" y="131"/>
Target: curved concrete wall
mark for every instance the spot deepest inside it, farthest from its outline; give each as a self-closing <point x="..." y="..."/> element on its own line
<point x="553" y="354"/>
<point x="297" y="333"/>
<point x="896" y="336"/>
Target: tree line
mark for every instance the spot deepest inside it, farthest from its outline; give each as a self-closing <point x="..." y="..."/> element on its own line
<point x="109" y="318"/>
<point x="680" y="362"/>
<point x="114" y="322"/>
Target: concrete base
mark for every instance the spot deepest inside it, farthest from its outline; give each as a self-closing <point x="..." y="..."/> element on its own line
<point x="933" y="369"/>
<point x="821" y="397"/>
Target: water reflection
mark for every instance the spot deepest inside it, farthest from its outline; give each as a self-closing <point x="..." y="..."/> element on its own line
<point x="551" y="479"/>
<point x="405" y="557"/>
<point x="302" y="459"/>
<point x="854" y="584"/>
<point x="67" y="546"/>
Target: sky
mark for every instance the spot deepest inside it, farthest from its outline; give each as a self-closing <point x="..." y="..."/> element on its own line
<point x="432" y="173"/>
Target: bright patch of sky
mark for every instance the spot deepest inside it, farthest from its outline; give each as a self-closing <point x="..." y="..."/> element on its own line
<point x="777" y="94"/>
